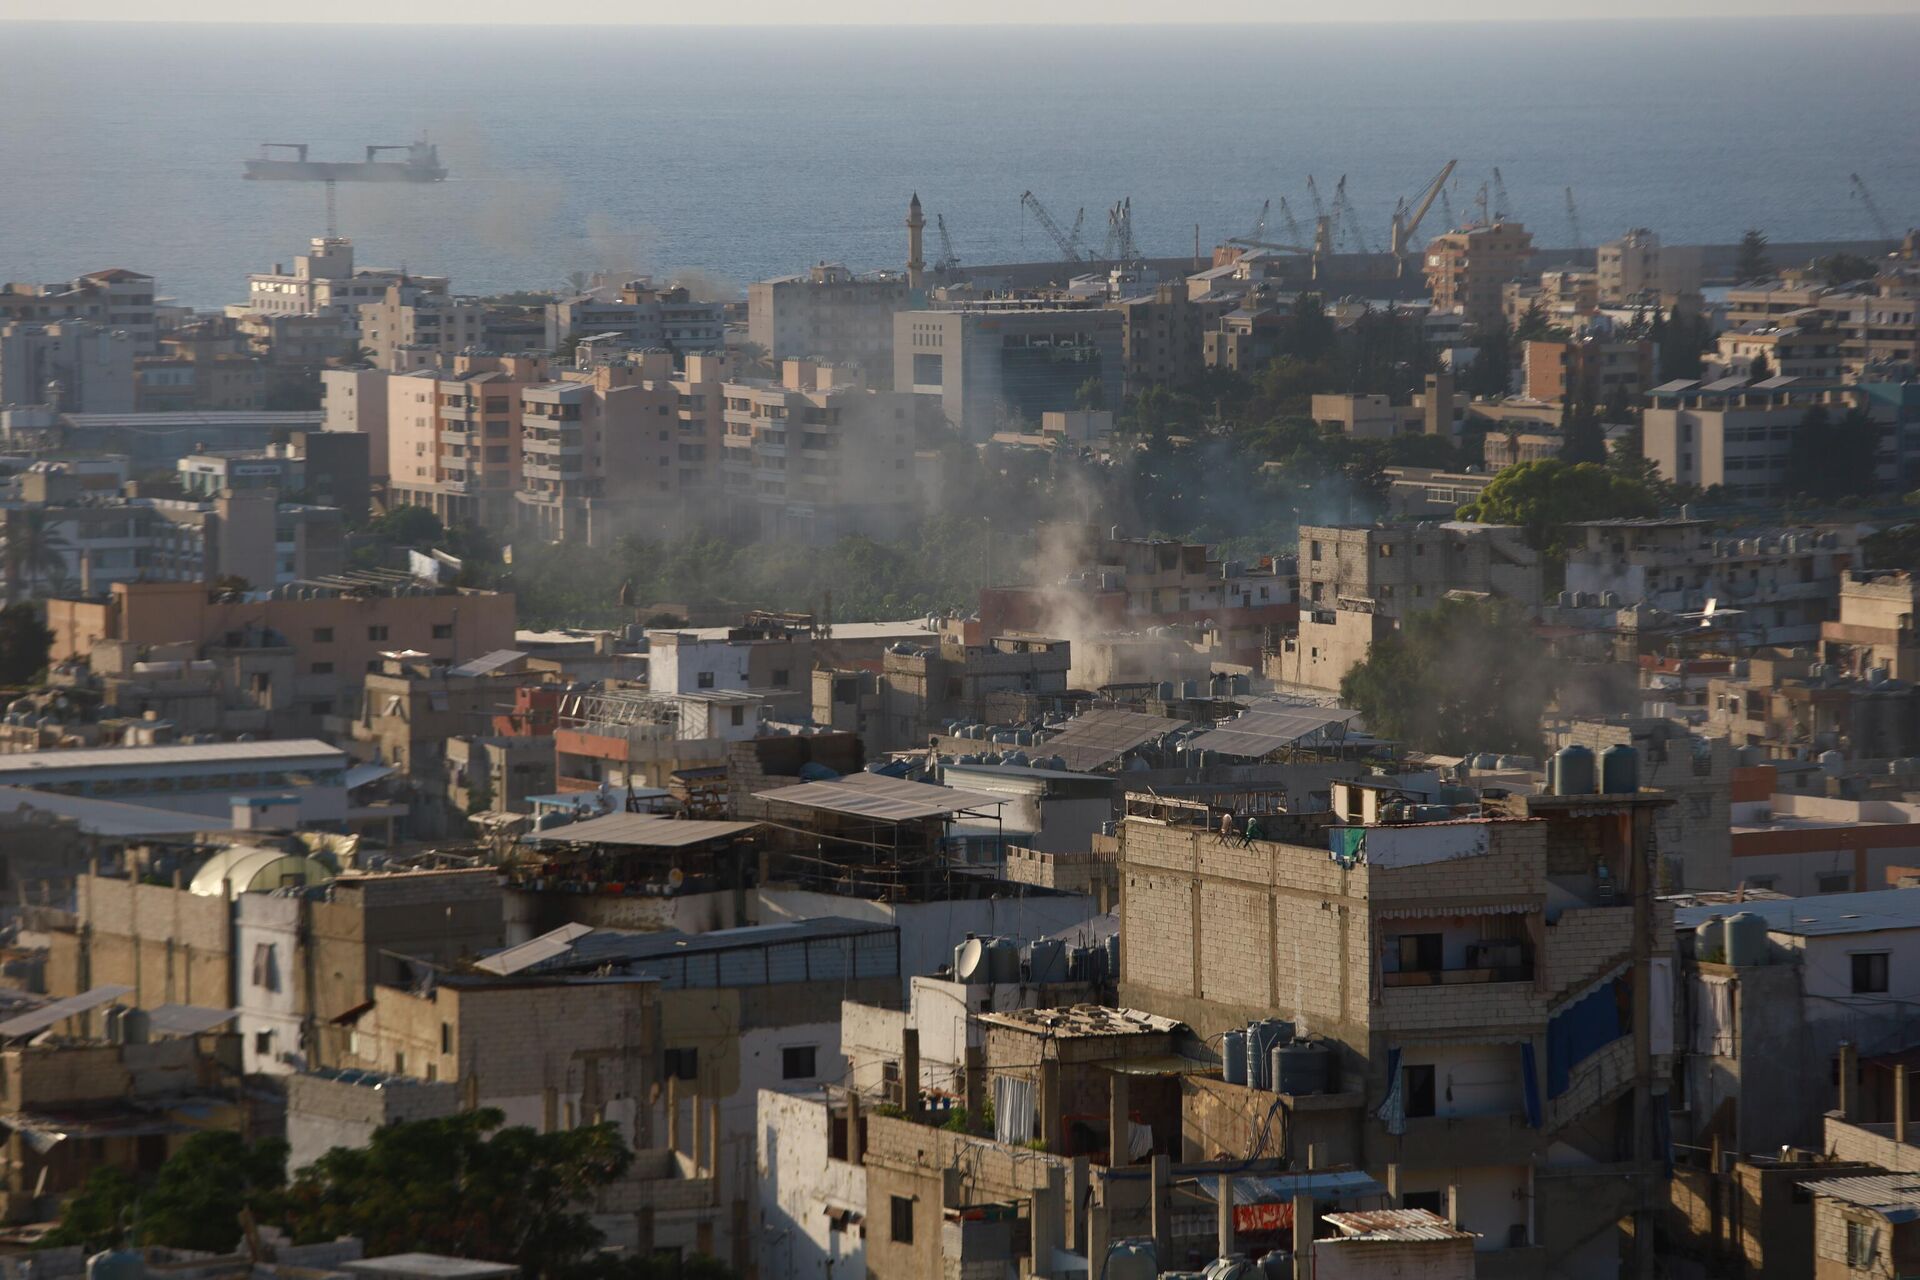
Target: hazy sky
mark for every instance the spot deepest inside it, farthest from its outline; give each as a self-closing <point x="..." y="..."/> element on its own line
<point x="1092" y="12"/>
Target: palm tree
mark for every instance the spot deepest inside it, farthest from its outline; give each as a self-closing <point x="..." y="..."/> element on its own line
<point x="31" y="547"/>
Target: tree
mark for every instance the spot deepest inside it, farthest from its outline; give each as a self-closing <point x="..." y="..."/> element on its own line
<point x="1828" y="460"/>
<point x="463" y="1185"/>
<point x="32" y="550"/>
<point x="407" y="527"/>
<point x="1752" y="262"/>
<point x="1463" y="676"/>
<point x="1759" y="370"/>
<point x="25" y="643"/>
<point x="1679" y="342"/>
<point x="193" y="1201"/>
<point x="1546" y="496"/>
<point x="1534" y="325"/>
<point x="1091" y="394"/>
<point x="1582" y="439"/>
<point x="1491" y="373"/>
<point x="1844" y="268"/>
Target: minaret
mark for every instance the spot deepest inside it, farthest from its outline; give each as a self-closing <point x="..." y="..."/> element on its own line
<point x="916" y="261"/>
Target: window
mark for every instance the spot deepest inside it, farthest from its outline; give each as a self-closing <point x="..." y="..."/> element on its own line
<point x="902" y="1219"/>
<point x="1833" y="882"/>
<point x="739" y="715"/>
<point x="796" y="1062"/>
<point x="703" y="680"/>
<point x="263" y="1042"/>
<point x="376" y="633"/>
<point x="1386" y="551"/>
<point x="266" y="972"/>
<point x="1431" y="1201"/>
<point x="443" y="631"/>
<point x="323" y="635"/>
<point x="1419" y="952"/>
<point x="1862" y="1240"/>
<point x="446" y="1037"/>
<point x="321" y="669"/>
<point x="1416" y="1085"/>
<point x="681" y="1064"/>
<point x="1869" y="973"/>
<point x="780" y="678"/>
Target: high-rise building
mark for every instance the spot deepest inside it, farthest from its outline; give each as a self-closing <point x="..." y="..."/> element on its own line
<point x="1468" y="269"/>
<point x="77" y="366"/>
<point x="999" y="363"/>
<point x="453" y="439"/>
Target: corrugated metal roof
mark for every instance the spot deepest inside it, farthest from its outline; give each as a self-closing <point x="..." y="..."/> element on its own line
<point x="1823" y="916"/>
<point x="641" y="831"/>
<point x="1083" y="1020"/>
<point x="188" y="1019"/>
<point x="1093" y="738"/>
<point x="40" y="1019"/>
<point x="1267" y="727"/>
<point x="487" y="662"/>
<point x="874" y="795"/>
<point x="1395" y="1224"/>
<point x="1894" y="1196"/>
<point x="110" y="817"/>
<point x="30" y="763"/>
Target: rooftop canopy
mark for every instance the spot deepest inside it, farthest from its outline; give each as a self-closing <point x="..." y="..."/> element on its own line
<point x="881" y="798"/>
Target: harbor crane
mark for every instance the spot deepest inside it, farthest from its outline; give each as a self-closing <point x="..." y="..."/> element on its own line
<point x="1502" y="207"/>
<point x="1069" y="252"/>
<point x="1405" y="224"/>
<point x="1120" y="245"/>
<point x="1259" y="231"/>
<point x="1293" y="228"/>
<point x="1865" y="197"/>
<point x="1573" y="222"/>
<point x="948" y="260"/>
<point x="1076" y="235"/>
<point x="1347" y="225"/>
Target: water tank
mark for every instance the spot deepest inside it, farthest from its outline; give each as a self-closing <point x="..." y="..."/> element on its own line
<point x="1233" y="1057"/>
<point x="1131" y="1260"/>
<point x="1710" y="940"/>
<point x="1113" y="956"/>
<point x="1233" y="1266"/>
<point x="1003" y="960"/>
<point x="1572" y="771"/>
<point x="1165" y="691"/>
<point x="117" y="1264"/>
<point x="1046" y="960"/>
<point x="970" y="963"/>
<point x="1263" y="1037"/>
<point x="1189" y="688"/>
<point x="1016" y="758"/>
<point x="1620" y="770"/>
<point x="1746" y="939"/>
<point x="1302" y="1066"/>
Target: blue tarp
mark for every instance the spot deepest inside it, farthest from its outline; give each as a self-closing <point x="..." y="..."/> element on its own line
<point x="1582" y="1029"/>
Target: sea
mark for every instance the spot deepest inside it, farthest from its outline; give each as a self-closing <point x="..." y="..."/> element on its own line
<point x="718" y="156"/>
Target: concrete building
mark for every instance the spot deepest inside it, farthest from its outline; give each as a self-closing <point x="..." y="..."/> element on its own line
<point x="333" y="630"/>
<point x="920" y="687"/>
<point x="1788" y="704"/>
<point x="414" y="326"/>
<point x="1589" y="367"/>
<point x="1775" y="587"/>
<point x="999" y="363"/>
<point x="1428" y="493"/>
<point x="1468" y="269"/>
<point x="72" y="365"/>
<point x="454" y="438"/>
<point x="1360" y="947"/>
<point x="1694" y="771"/>
<point x="1739" y="435"/>
<point x="355" y="401"/>
<point x="1875" y="626"/>
<point x="829" y="314"/>
<point x="1376" y="417"/>
<point x="328" y="1109"/>
<point x="1162" y="336"/>
<point x="642" y="316"/>
<point x="327" y="469"/>
<point x="1638" y="268"/>
<point x="1808" y="348"/>
<point x="115" y="298"/>
<point x="206" y="778"/>
<point x="1800" y="844"/>
<point x="324" y="281"/>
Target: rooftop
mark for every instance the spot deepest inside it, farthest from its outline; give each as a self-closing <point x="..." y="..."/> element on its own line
<point x="1082" y="1021"/>
<point x="30" y="764"/>
<point x="1823" y="916"/>
<point x="1395" y="1225"/>
<point x="1894" y="1196"/>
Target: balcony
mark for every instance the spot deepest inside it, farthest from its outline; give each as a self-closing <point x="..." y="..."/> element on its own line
<point x="1468" y="1140"/>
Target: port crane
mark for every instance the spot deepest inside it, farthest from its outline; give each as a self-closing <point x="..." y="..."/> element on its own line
<point x="1405" y="223"/>
<point x="1347" y="226"/>
<point x="1865" y="197"/>
<point x="1120" y="245"/>
<point x="1502" y="207"/>
<point x="1293" y="228"/>
<point x="1259" y="231"/>
<point x="947" y="260"/>
<point x="1069" y="251"/>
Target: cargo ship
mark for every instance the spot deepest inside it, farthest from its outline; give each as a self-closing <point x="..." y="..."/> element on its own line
<point x="422" y="164"/>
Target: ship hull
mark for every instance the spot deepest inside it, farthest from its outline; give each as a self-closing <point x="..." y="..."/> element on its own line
<point x="342" y="171"/>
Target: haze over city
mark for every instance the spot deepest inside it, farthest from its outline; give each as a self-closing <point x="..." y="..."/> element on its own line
<point x="981" y="641"/>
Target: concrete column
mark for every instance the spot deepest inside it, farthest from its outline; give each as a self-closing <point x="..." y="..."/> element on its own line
<point x="1117" y="1110"/>
<point x="1049" y="1101"/>
<point x="1303" y="1238"/>
<point x="1847" y="1102"/>
<point x="1047" y="1215"/>
<point x="1099" y="1232"/>
<point x="713" y="1138"/>
<point x="1900" y="1103"/>
<point x="1077" y="1203"/>
<point x="1393" y="1186"/>
<point x="1162" y="1207"/>
<point x="910" y="1072"/>
<point x="646" y="1231"/>
<point x="1453" y="1203"/>
<point x="673" y="1113"/>
<point x="976" y="1085"/>
<point x="1225" y="1222"/>
<point x="699" y="1147"/>
<point x="856" y="1148"/>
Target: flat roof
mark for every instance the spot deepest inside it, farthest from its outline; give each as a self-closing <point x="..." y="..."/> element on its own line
<point x="877" y="796"/>
<point x="439" y="1266"/>
<point x="1822" y="916"/>
<point x="1093" y="738"/>
<point x="641" y="831"/>
<point x="110" y="818"/>
<point x="1266" y="727"/>
<point x="1083" y="1021"/>
<point x="23" y="768"/>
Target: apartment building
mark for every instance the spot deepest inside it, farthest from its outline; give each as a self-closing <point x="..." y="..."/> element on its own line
<point x="334" y="630"/>
<point x="74" y="366"/>
<point x="1491" y="990"/>
<point x="1162" y="335"/>
<point x="1787" y="704"/>
<point x="1467" y="270"/>
<point x="817" y="456"/>
<point x="830" y="315"/>
<point x="355" y="401"/>
<point x="327" y="468"/>
<point x="1779" y="585"/>
<point x="1802" y="344"/>
<point x="1246" y="339"/>
<point x="1376" y="417"/>
<point x="1877" y="322"/>
<point x="1356" y="582"/>
<point x="93" y="542"/>
<point x="1737" y="434"/>
<point x="996" y="364"/>
<point x="1874" y="629"/>
<point x="1637" y="268"/>
<point x="642" y="316"/>
<point x="411" y="326"/>
<point x="454" y="437"/>
<point x="325" y="281"/>
<point x="919" y="687"/>
<point x="112" y="299"/>
<point x="1593" y="367"/>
